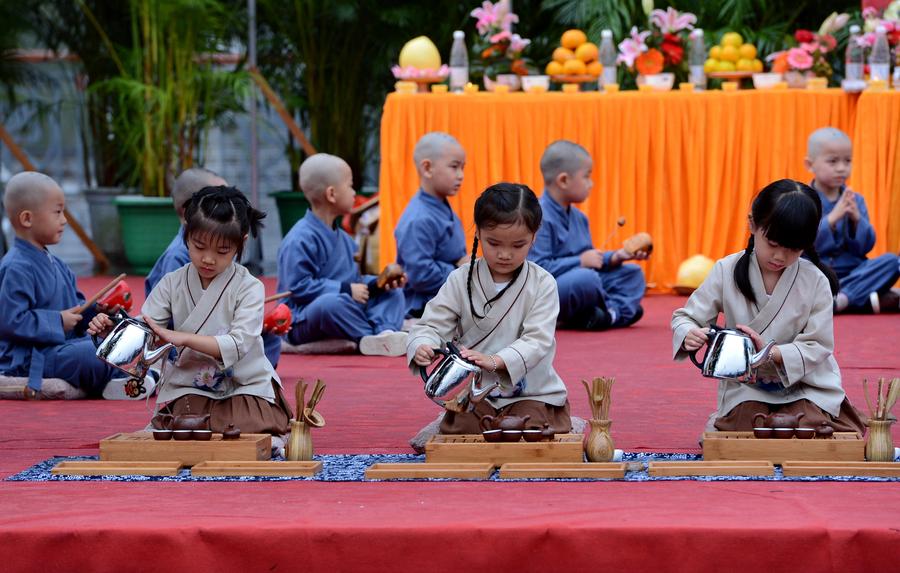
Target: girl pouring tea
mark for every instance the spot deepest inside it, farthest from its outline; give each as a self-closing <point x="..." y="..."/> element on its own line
<point x="216" y="307"/>
<point x="770" y="293"/>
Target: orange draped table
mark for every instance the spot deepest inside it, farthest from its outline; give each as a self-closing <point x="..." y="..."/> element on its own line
<point x="682" y="166"/>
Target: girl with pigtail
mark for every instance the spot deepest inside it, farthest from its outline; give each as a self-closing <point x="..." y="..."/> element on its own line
<point x="216" y="308"/>
<point x="501" y="310"/>
<point x="770" y="292"/>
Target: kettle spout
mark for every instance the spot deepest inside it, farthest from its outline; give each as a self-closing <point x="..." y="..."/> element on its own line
<point x="151" y="356"/>
<point x="757" y="359"/>
<point x="477" y="392"/>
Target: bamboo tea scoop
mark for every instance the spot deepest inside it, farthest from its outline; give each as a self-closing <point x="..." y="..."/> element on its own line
<point x="87" y="304"/>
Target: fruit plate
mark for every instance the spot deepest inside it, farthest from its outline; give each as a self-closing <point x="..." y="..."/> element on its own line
<point x="573" y="78"/>
<point x="730" y="75"/>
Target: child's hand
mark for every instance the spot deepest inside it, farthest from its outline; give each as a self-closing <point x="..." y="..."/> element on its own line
<point x="359" y="292"/>
<point x="99" y="325"/>
<point x="695" y="339"/>
<point x="70" y="318"/>
<point x="842" y="208"/>
<point x="623" y="255"/>
<point x="758" y="342"/>
<point x="396" y="283"/>
<point x="102" y="307"/>
<point x="166" y="335"/>
<point x="487" y="362"/>
<point x="463" y="261"/>
<point x="424" y="355"/>
<point x="592" y="259"/>
<point x="852" y="209"/>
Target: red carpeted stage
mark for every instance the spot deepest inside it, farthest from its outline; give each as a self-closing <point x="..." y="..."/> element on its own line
<point x="375" y="405"/>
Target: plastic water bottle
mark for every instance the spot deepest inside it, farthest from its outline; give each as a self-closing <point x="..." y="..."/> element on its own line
<point x="459" y="62"/>
<point x="880" y="58"/>
<point x="855" y="59"/>
<point x="608" y="56"/>
<point x="697" y="59"/>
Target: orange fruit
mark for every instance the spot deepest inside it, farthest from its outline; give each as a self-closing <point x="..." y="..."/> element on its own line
<point x="554" y="68"/>
<point x="715" y="52"/>
<point x="710" y="65"/>
<point x="587" y="52"/>
<point x="725" y="66"/>
<point x="595" y="68"/>
<point x="757" y="65"/>
<point x="571" y="39"/>
<point x="574" y="67"/>
<point x="732" y="39"/>
<point x="747" y="51"/>
<point x="744" y="65"/>
<point x="562" y="54"/>
<point x="730" y="54"/>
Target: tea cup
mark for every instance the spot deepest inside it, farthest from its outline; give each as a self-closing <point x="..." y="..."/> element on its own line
<point x="532" y="435"/>
<point x="512" y="435"/>
<point x="492" y="435"/>
<point x="783" y="433"/>
<point x="804" y="433"/>
<point x="762" y="433"/>
<point x="501" y="89"/>
<point x="182" y="434"/>
<point x="201" y="435"/>
<point x="162" y="434"/>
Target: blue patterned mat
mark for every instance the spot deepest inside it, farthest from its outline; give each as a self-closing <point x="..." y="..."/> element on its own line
<point x="350" y="468"/>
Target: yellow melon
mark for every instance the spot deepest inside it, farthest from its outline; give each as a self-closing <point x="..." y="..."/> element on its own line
<point x="693" y="271"/>
<point x="420" y="53"/>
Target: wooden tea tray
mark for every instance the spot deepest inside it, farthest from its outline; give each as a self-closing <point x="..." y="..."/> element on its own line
<point x="602" y="470"/>
<point x="471" y="448"/>
<point x="430" y="470"/>
<point x="716" y="468"/>
<point x="844" y="446"/>
<point x="806" y="468"/>
<point x="101" y="468"/>
<point x="140" y="446"/>
<point x="270" y="468"/>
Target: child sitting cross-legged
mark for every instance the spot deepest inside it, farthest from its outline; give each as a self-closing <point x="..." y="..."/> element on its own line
<point x="42" y="328"/>
<point x="216" y="308"/>
<point x="330" y="298"/>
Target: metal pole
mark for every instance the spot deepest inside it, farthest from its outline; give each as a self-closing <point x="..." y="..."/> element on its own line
<point x="254" y="258"/>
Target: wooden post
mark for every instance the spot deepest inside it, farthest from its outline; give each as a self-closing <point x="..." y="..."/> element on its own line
<point x="99" y="257"/>
<point x="273" y="98"/>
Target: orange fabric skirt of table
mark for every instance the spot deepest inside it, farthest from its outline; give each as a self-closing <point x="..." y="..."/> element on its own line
<point x="682" y="166"/>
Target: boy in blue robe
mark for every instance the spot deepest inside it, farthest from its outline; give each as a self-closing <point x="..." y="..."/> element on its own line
<point x="176" y="254"/>
<point x="430" y="238"/>
<point x="42" y="332"/>
<point x="596" y="290"/>
<point x="329" y="297"/>
<point x="845" y="233"/>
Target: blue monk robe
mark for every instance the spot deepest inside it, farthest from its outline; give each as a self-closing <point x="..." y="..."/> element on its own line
<point x="176" y="256"/>
<point x="845" y="249"/>
<point x="563" y="236"/>
<point x="34" y="287"/>
<point x="430" y="240"/>
<point x="316" y="264"/>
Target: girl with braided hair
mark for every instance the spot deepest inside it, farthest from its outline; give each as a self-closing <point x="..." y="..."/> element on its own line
<point x="770" y="292"/>
<point x="216" y="309"/>
<point x="501" y="309"/>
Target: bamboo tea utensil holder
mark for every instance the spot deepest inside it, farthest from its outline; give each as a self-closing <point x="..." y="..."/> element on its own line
<point x="598" y="444"/>
<point x="300" y="446"/>
<point x="879" y="444"/>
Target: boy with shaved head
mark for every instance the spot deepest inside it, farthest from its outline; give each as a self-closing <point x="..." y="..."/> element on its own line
<point x="430" y="238"/>
<point x="176" y="254"/>
<point x="596" y="291"/>
<point x="845" y="234"/>
<point x="42" y="332"/>
<point x="329" y="297"/>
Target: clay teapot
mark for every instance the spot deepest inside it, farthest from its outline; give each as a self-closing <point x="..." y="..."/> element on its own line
<point x="191" y="422"/>
<point x="779" y="420"/>
<point x="504" y="422"/>
<point x="231" y="433"/>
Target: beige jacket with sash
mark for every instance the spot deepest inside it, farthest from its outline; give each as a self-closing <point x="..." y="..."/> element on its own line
<point x="231" y="310"/>
<point x="519" y="327"/>
<point x="797" y="315"/>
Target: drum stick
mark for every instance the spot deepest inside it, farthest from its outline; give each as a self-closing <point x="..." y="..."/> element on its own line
<point x="100" y="293"/>
<point x="277" y="296"/>
<point x="620" y="222"/>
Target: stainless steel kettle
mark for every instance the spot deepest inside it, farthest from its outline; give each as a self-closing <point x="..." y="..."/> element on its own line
<point x="454" y="379"/>
<point x="129" y="346"/>
<point x="730" y="355"/>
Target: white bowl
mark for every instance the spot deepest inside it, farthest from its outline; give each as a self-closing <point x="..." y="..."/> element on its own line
<point x="766" y="81"/>
<point x="660" y="82"/>
<point x="539" y="82"/>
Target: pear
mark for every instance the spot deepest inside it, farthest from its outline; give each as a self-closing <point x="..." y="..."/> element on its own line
<point x="420" y="53"/>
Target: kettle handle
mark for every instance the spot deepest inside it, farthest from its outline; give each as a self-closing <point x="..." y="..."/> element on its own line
<point x="116" y="319"/>
<point x="423" y="370"/>
<point x="693" y="354"/>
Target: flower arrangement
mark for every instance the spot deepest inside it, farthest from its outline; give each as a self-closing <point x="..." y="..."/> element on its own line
<point x="661" y="48"/>
<point x="890" y="19"/>
<point x="811" y="54"/>
<point x="499" y="49"/>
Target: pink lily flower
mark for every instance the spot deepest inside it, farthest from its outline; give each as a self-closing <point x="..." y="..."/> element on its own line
<point x="517" y="43"/>
<point x="671" y="21"/>
<point x="631" y="48"/>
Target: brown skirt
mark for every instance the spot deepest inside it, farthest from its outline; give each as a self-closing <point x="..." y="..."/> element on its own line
<point x="251" y="414"/>
<point x="540" y="412"/>
<point x="740" y="418"/>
